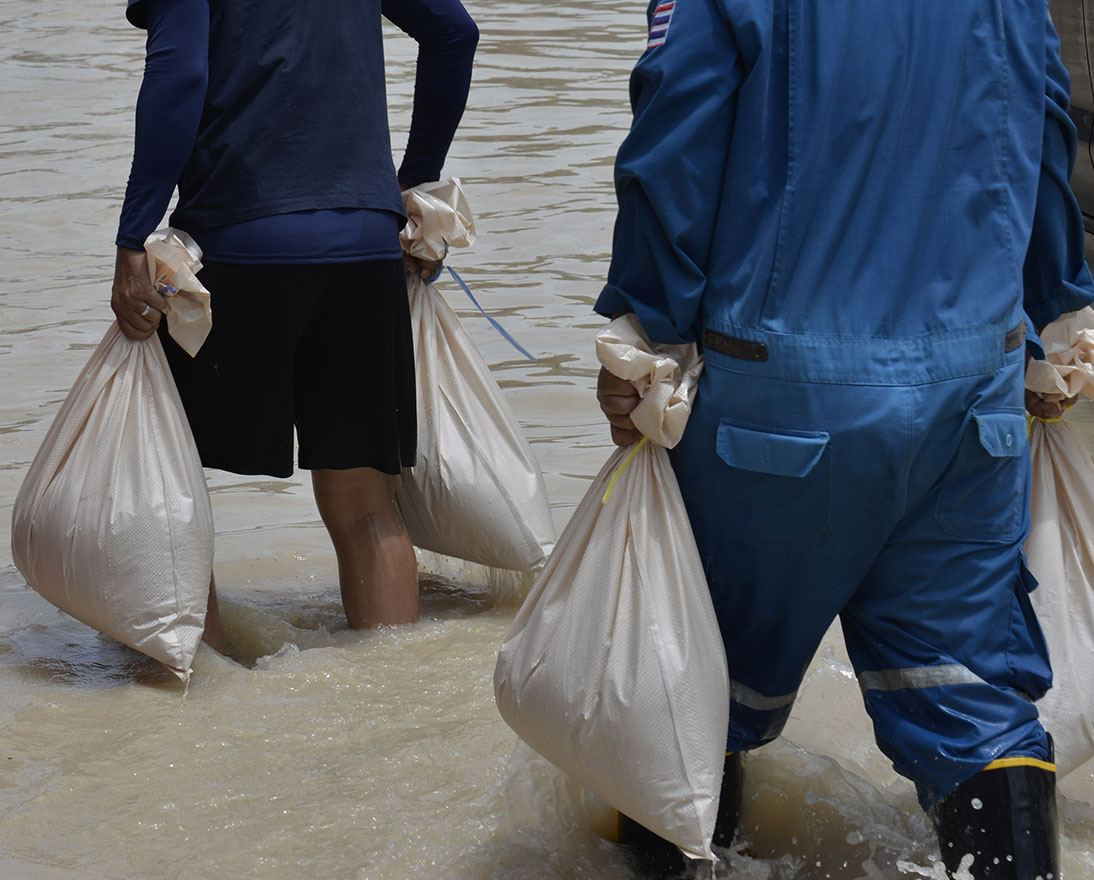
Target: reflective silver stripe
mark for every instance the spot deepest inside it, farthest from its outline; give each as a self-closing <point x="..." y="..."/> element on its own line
<point x="917" y="677"/>
<point x="744" y="695"/>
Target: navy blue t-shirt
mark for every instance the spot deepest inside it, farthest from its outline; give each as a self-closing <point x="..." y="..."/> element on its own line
<point x="277" y="135"/>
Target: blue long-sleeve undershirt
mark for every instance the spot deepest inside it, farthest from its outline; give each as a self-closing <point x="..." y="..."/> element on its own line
<point x="446" y="38"/>
<point x="169" y="110"/>
<point x="169" y="105"/>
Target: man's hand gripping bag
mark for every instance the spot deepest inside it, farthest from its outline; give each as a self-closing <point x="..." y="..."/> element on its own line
<point x="614" y="667"/>
<point x="113" y="523"/>
<point x="1060" y="546"/>
<point x="476" y="491"/>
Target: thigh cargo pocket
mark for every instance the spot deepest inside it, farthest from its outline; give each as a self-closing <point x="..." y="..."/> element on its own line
<point x="780" y="487"/>
<point x="983" y="493"/>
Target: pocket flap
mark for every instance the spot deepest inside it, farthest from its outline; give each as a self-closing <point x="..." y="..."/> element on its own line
<point x="1002" y="434"/>
<point x="780" y="452"/>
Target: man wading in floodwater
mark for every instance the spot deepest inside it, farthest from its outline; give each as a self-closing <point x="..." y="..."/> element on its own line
<point x="271" y="117"/>
<point x="860" y="211"/>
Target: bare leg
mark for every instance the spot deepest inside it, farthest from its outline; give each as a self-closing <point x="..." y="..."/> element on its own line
<point x="214" y="634"/>
<point x="376" y="566"/>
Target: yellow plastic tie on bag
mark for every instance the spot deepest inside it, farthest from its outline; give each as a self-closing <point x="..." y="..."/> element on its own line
<point x="1030" y="419"/>
<point x="621" y="468"/>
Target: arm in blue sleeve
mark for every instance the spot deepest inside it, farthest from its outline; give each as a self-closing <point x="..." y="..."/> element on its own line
<point x="169" y="109"/>
<point x="669" y="171"/>
<point x="1056" y="279"/>
<point x="446" y="38"/>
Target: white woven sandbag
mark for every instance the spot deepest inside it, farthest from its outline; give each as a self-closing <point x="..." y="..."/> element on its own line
<point x="113" y="523"/>
<point x="1060" y="545"/>
<point x="1060" y="550"/>
<point x="614" y="667"/>
<point x="476" y="491"/>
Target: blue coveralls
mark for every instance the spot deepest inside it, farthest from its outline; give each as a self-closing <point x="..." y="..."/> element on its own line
<point x="853" y="207"/>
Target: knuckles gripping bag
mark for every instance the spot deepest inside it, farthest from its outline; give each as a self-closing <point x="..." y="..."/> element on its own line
<point x="614" y="667"/>
<point x="113" y="523"/>
<point x="476" y="491"/>
<point x="1060" y="546"/>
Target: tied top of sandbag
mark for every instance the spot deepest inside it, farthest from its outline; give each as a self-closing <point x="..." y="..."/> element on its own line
<point x="438" y="217"/>
<point x="666" y="377"/>
<point x="174" y="259"/>
<point x="1068" y="367"/>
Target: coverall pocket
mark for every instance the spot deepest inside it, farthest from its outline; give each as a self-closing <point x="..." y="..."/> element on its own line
<point x="983" y="494"/>
<point x="780" y="487"/>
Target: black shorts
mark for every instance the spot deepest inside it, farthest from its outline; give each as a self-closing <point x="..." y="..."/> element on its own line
<point x="324" y="348"/>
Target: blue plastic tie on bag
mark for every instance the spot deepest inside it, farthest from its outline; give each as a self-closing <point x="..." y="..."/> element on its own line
<point x="485" y="314"/>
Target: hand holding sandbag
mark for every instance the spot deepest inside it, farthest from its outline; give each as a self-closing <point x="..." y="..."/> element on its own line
<point x="476" y="491"/>
<point x="113" y="523"/>
<point x="665" y="376"/>
<point x="614" y="668"/>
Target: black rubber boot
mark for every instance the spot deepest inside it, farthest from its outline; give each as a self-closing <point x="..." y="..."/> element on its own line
<point x="729" y="803"/>
<point x="655" y="858"/>
<point x="1006" y="817"/>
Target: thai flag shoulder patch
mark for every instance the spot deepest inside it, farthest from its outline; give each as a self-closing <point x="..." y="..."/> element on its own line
<point x="659" y="24"/>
